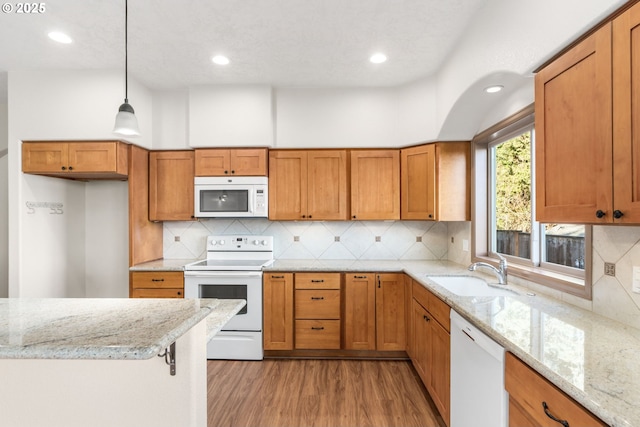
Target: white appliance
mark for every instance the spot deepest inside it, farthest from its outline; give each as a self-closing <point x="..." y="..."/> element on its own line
<point x="233" y="270"/>
<point x="478" y="397"/>
<point x="237" y="196"/>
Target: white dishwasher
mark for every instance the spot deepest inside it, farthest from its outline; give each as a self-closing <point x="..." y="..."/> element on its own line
<point x="478" y="397"/>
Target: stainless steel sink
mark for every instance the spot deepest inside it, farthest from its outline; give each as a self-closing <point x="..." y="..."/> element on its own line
<point x="471" y="286"/>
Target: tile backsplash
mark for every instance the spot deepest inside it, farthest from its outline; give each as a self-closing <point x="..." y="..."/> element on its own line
<point x="613" y="296"/>
<point x="346" y="240"/>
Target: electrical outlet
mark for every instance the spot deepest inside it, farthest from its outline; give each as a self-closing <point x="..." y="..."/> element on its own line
<point x="465" y="245"/>
<point x="418" y="238"/>
<point x="296" y="238"/>
<point x="336" y="238"/>
<point x="609" y="269"/>
<point x="176" y="238"/>
<point x="636" y="280"/>
<point x="378" y="238"/>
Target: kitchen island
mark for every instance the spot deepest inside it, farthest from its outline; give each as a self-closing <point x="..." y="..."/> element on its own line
<point x="80" y="362"/>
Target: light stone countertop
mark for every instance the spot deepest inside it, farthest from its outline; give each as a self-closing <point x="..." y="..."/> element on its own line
<point x="591" y="358"/>
<point x="103" y="328"/>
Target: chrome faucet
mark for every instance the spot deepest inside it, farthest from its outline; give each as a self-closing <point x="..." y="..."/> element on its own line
<point x="501" y="272"/>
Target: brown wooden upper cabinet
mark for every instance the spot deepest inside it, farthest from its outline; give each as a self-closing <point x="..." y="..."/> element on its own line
<point x="224" y="162"/>
<point x="308" y="185"/>
<point x="76" y="160"/>
<point x="587" y="151"/>
<point x="171" y="176"/>
<point x="375" y="184"/>
<point x="435" y="182"/>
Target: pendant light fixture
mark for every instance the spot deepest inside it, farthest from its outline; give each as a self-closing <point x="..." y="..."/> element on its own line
<point x="126" y="122"/>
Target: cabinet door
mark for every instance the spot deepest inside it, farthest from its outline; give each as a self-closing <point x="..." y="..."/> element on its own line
<point x="360" y="311"/>
<point x="249" y="162"/>
<point x="92" y="156"/>
<point x="212" y="162"/>
<point x="375" y="184"/>
<point x="278" y="311"/>
<point x="418" y="176"/>
<point x="390" y="314"/>
<point x="287" y="185"/>
<point x="626" y="117"/>
<point x="439" y="366"/>
<point x="171" y="185"/>
<point x="528" y="390"/>
<point x="44" y="157"/>
<point x="574" y="134"/>
<point x="421" y="341"/>
<point x="327" y="185"/>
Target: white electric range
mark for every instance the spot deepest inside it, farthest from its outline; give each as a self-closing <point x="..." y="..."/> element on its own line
<point x="233" y="270"/>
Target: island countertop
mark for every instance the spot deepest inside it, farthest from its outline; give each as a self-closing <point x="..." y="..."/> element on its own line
<point x="103" y="328"/>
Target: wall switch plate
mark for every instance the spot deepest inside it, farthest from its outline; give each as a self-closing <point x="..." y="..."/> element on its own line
<point x="636" y="280"/>
<point x="609" y="269"/>
<point x="465" y="245"/>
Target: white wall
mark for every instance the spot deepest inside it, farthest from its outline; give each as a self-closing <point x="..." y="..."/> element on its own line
<point x="170" y="119"/>
<point x="106" y="239"/>
<point x="223" y="116"/>
<point x="47" y="252"/>
<point x="4" y="204"/>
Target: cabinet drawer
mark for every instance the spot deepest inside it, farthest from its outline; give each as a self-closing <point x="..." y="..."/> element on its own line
<point x="318" y="334"/>
<point x="440" y="311"/>
<point x="528" y="390"/>
<point x="157" y="293"/>
<point x="317" y="281"/>
<point x="317" y="304"/>
<point x="420" y="294"/>
<point x="158" y="280"/>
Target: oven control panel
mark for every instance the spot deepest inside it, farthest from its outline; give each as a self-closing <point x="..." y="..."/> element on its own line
<point x="240" y="243"/>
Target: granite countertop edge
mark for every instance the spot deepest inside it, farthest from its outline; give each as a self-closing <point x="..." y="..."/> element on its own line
<point x="220" y="312"/>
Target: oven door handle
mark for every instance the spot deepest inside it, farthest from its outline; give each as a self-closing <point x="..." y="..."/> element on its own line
<point x="224" y="274"/>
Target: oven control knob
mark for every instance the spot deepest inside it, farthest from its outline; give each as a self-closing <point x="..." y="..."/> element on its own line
<point x="256" y="242"/>
<point x="213" y="243"/>
<point x="264" y="243"/>
<point x="221" y="242"/>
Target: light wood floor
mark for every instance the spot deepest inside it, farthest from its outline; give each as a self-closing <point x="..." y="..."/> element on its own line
<point x="318" y="393"/>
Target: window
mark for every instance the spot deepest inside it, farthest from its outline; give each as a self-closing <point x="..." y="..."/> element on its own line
<point x="556" y="255"/>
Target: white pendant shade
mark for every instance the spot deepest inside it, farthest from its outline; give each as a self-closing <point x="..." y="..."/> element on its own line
<point x="126" y="122"/>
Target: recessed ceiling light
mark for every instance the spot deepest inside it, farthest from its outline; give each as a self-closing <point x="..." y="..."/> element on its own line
<point x="493" y="89"/>
<point x="220" y="60"/>
<point x="59" y="37"/>
<point x="378" y="58"/>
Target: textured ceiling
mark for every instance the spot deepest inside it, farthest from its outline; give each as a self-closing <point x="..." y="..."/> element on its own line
<point x="278" y="42"/>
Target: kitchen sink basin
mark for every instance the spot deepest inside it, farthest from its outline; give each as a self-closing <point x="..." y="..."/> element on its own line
<point x="470" y="286"/>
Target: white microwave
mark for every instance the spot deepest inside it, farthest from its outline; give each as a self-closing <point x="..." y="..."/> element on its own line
<point x="234" y="197"/>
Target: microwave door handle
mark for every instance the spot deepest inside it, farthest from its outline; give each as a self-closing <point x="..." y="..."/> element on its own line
<point x="250" y="202"/>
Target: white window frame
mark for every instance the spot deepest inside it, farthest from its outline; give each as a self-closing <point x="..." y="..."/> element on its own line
<point x="565" y="279"/>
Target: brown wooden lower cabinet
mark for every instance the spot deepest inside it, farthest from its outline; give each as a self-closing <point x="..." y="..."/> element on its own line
<point x="430" y="346"/>
<point x="533" y="400"/>
<point x="317" y="311"/>
<point x="156" y="284"/>
<point x="277" y="311"/>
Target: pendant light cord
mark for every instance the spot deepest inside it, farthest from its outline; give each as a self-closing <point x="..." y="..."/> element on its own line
<point x="126" y="52"/>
